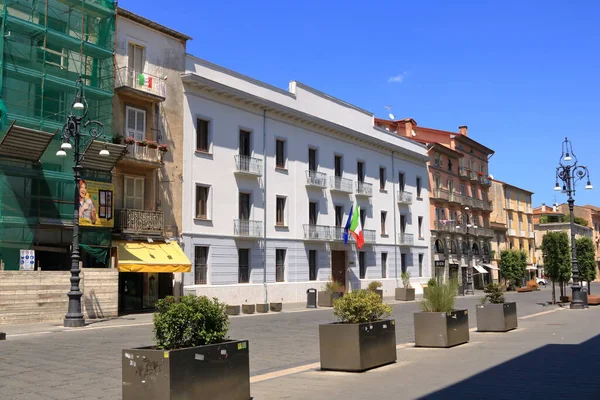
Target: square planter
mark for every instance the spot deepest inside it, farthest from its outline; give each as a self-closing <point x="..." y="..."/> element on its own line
<point x="277" y="307"/>
<point x="357" y="347"/>
<point x="248" y="308"/>
<point x="380" y="293"/>
<point x="262" y="308"/>
<point x="233" y="310"/>
<point x="326" y="299"/>
<point x="403" y="294"/>
<point x="438" y="329"/>
<point x="496" y="317"/>
<point x="217" y="372"/>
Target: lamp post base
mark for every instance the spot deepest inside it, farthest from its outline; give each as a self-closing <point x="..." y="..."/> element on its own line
<point x="577" y="298"/>
<point x="76" y="322"/>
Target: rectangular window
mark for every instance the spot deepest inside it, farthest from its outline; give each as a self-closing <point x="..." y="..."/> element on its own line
<point x="384" y="265"/>
<point x="437" y="182"/>
<point x="134" y="193"/>
<point x="360" y="171"/>
<point x="280" y="265"/>
<point x="245" y="143"/>
<point x="202" y="143"/>
<point x="135" y="123"/>
<point x="381" y="178"/>
<point x="421" y="256"/>
<point x="313" y="208"/>
<point x="418" y="187"/>
<point x="362" y="268"/>
<point x="401" y="181"/>
<point x="243" y="265"/>
<point x="280" y="217"/>
<point x="483" y="196"/>
<point x="312" y="160"/>
<point x="402" y="223"/>
<point x="363" y="217"/>
<point x="420" y="227"/>
<point x="474" y="192"/>
<point x="280" y="153"/>
<point x="403" y="265"/>
<point x="312" y="265"/>
<point x="510" y="220"/>
<point x="202" y="202"/>
<point x="463" y="190"/>
<point x="383" y="218"/>
<point x="339" y="216"/>
<point x="105" y="204"/>
<point x="338" y="166"/>
<point x="136" y="59"/>
<point x="244" y="206"/>
<point x="200" y="265"/>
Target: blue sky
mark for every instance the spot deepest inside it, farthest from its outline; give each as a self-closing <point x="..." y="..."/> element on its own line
<point x="521" y="76"/>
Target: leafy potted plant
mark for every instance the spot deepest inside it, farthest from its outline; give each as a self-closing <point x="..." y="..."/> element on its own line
<point x="374" y="287"/>
<point x="117" y="138"/>
<point x="130" y="140"/>
<point x="333" y="290"/>
<point x="142" y="143"/>
<point x="192" y="357"/>
<point x="430" y="283"/>
<point x="363" y="338"/>
<point x="152" y="144"/>
<point x="439" y="324"/>
<point x="163" y="148"/>
<point x="406" y="292"/>
<point x="497" y="316"/>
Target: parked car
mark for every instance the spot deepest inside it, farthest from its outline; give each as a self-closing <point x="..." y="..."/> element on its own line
<point x="541" y="281"/>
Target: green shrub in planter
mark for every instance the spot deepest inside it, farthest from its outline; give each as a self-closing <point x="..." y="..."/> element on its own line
<point x="191" y="342"/>
<point x="497" y="316"/>
<point x="374" y="287"/>
<point x="406" y="292"/>
<point x="192" y="321"/>
<point x="333" y="290"/>
<point x="364" y="337"/>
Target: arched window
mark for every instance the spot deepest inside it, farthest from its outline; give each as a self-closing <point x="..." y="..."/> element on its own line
<point x="475" y="249"/>
<point x="486" y="250"/>
<point x="452" y="247"/>
<point x="439" y="246"/>
<point x="465" y="248"/>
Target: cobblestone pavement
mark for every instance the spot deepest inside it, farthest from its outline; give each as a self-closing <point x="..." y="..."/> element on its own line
<point x="85" y="363"/>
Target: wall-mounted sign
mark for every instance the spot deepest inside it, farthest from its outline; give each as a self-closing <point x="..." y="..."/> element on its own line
<point x="96" y="204"/>
<point x="27" y="261"/>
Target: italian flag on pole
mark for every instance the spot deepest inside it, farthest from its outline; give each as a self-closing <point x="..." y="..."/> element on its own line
<point x="145" y="80"/>
<point x="354" y="227"/>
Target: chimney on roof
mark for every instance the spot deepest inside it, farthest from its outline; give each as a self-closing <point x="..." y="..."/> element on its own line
<point x="463" y="130"/>
<point x="408" y="125"/>
<point x="543" y="207"/>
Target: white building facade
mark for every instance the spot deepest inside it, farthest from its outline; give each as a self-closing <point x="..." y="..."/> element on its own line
<point x="269" y="180"/>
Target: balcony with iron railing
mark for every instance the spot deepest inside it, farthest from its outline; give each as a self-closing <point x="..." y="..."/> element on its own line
<point x="473" y="176"/>
<point x="137" y="152"/>
<point x="440" y="194"/>
<point x="247" y="228"/>
<point x="339" y="184"/>
<point x="405" y="197"/>
<point x="334" y="233"/>
<point x="144" y="84"/>
<point x="139" y="221"/>
<point x="464" y="172"/>
<point x="455" y="197"/>
<point x="512" y="232"/>
<point x="364" y="189"/>
<point x="316" y="179"/>
<point x="406" y="239"/>
<point x="485" y="181"/>
<point x="531" y="235"/>
<point x="522" y="233"/>
<point x="448" y="226"/>
<point x="246" y="165"/>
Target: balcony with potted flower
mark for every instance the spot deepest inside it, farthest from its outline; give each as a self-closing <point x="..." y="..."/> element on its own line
<point x="143" y="151"/>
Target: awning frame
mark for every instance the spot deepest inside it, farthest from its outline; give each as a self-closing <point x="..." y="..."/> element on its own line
<point x="480" y="269"/>
<point x="93" y="160"/>
<point x="30" y="147"/>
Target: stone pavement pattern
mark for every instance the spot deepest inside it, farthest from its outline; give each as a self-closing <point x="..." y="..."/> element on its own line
<point x="545" y="358"/>
<point x="85" y="363"/>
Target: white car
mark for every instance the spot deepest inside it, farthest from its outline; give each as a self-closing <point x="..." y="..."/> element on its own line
<point x="541" y="281"/>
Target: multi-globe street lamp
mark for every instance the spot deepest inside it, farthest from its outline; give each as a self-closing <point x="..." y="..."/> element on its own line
<point x="569" y="172"/>
<point x="466" y="218"/>
<point x="76" y="133"/>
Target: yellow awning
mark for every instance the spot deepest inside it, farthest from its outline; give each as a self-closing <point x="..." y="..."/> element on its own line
<point x="152" y="257"/>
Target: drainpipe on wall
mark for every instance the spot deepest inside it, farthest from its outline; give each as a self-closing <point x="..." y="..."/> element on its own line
<point x="265" y="205"/>
<point x="394" y="207"/>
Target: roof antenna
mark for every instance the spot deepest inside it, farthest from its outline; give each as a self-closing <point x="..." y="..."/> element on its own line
<point x="390" y="115"/>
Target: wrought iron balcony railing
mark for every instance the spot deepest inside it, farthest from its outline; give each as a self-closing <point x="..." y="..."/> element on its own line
<point x="316" y="179"/>
<point x="139" y="221"/>
<point x="339" y="184"/>
<point x="364" y="189"/>
<point x="247" y="228"/>
<point x="248" y="165"/>
<point x="405" y="197"/>
<point x="406" y="239"/>
<point x="142" y="81"/>
<point x="143" y="153"/>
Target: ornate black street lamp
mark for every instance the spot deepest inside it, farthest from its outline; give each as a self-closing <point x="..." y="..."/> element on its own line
<point x="466" y="218"/>
<point x="570" y="172"/>
<point x="74" y="138"/>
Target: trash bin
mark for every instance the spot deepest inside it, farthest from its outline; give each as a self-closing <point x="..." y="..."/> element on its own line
<point x="311" y="298"/>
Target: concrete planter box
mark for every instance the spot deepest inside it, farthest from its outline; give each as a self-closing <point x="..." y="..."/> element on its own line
<point x="496" y="317"/>
<point x="233" y="310"/>
<point x="524" y="289"/>
<point x="248" y="308"/>
<point x="440" y="329"/>
<point x="357" y="347"/>
<point x="403" y="294"/>
<point x="326" y="299"/>
<point x="217" y="372"/>
<point x="262" y="308"/>
<point x="277" y="307"/>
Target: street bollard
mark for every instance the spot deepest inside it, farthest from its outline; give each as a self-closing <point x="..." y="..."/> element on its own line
<point x="311" y="298"/>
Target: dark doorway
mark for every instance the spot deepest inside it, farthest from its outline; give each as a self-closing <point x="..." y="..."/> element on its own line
<point x="454" y="271"/>
<point x="140" y="291"/>
<point x="338" y="267"/>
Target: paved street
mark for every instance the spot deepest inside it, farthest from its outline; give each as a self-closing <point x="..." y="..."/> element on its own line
<point x="48" y="362"/>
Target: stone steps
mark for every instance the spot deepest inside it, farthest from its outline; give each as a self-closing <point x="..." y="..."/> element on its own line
<point x="31" y="316"/>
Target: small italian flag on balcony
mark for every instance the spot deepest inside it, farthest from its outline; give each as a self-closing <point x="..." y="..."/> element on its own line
<point x="145" y="80"/>
<point x="354" y="227"/>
